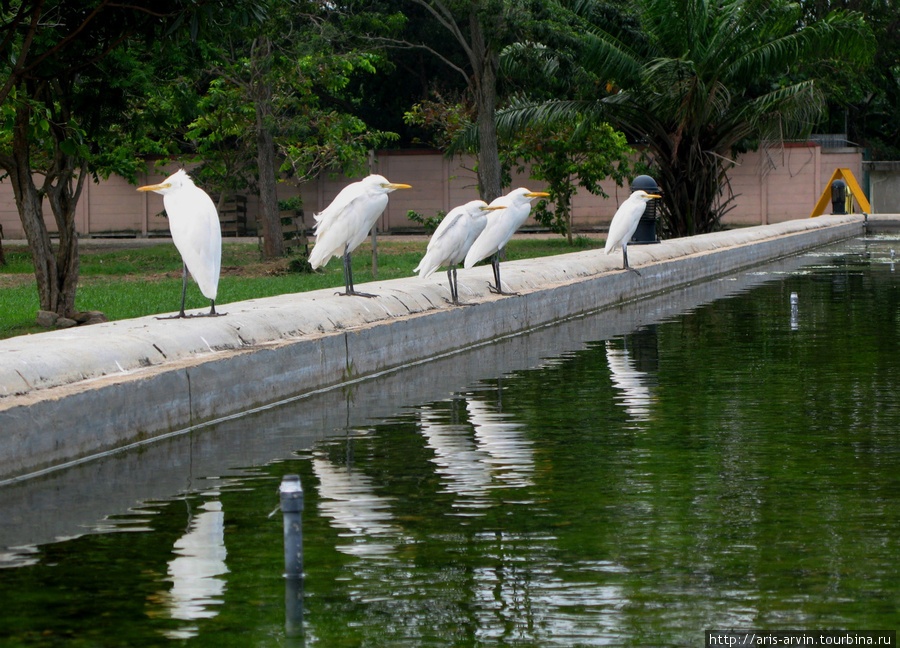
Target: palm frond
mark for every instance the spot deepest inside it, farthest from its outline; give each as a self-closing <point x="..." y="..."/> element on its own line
<point x="841" y="35"/>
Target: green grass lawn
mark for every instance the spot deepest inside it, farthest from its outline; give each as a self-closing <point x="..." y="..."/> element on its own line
<point x="135" y="281"/>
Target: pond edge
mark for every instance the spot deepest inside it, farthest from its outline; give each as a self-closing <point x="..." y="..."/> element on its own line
<point x="68" y="396"/>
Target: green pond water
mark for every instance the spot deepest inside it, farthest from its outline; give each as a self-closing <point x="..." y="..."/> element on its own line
<point x="634" y="478"/>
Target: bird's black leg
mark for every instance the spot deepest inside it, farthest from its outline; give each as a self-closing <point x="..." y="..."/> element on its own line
<point x="348" y="274"/>
<point x="454" y="286"/>
<point x="181" y="314"/>
<point x="625" y="256"/>
<point x="495" y="263"/>
<point x="348" y="277"/>
<point x="184" y="276"/>
<point x="212" y="310"/>
<point x="450" y="281"/>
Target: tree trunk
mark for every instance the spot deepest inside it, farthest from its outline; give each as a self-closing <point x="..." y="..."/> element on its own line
<point x="485" y="67"/>
<point x="273" y="241"/>
<point x="29" y="204"/>
<point x="490" y="179"/>
<point x="63" y="199"/>
<point x="693" y="182"/>
<point x="56" y="274"/>
<point x="270" y="216"/>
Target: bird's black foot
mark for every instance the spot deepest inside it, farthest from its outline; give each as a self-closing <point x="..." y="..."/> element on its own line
<point x="355" y="293"/>
<point x="500" y="291"/>
<point x="634" y="271"/>
<point x="192" y="316"/>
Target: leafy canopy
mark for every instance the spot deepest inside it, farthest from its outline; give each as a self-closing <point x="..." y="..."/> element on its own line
<point x="703" y="82"/>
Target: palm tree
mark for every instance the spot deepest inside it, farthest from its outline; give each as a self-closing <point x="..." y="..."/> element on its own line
<point x="706" y="80"/>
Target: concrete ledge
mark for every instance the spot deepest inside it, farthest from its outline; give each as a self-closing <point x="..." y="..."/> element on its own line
<point x="67" y="395"/>
<point x="879" y="223"/>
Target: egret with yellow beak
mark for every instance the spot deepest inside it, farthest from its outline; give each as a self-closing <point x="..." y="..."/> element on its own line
<point x="452" y="239"/>
<point x="513" y="210"/>
<point x="625" y="222"/>
<point x="195" y="229"/>
<point x="347" y="221"/>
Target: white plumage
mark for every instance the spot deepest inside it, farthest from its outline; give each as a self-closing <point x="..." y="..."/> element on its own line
<point x="625" y="223"/>
<point x="347" y="221"/>
<point x="452" y="239"/>
<point x="513" y="210"/>
<point x="195" y="229"/>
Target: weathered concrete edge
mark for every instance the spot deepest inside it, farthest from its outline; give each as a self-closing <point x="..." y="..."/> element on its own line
<point x="48" y="427"/>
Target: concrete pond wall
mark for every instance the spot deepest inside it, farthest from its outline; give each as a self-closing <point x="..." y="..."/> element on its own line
<point x="70" y="395"/>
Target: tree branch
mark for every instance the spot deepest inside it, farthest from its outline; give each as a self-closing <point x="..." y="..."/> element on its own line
<point x="402" y="44"/>
<point x="23" y="51"/>
<point x="445" y="17"/>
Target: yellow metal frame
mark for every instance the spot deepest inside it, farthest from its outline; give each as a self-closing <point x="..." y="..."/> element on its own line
<point x="855" y="192"/>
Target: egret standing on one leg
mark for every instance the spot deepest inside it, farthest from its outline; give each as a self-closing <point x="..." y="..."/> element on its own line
<point x="194" y="224"/>
<point x="452" y="240"/>
<point x="625" y="222"/>
<point x="347" y="221"/>
<point x="515" y="207"/>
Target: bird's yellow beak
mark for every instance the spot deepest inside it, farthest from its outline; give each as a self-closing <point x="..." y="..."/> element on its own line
<point x="537" y="194"/>
<point x="494" y="208"/>
<point x="162" y="185"/>
<point x="653" y="196"/>
<point x="396" y="185"/>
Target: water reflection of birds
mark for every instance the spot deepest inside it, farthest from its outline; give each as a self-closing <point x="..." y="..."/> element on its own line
<point x="473" y="459"/>
<point x="457" y="460"/>
<point x="634" y="384"/>
<point x="507" y="452"/>
<point x="348" y="498"/>
<point x="196" y="570"/>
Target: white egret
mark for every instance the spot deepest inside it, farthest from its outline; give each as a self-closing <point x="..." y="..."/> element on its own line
<point x="195" y="229"/>
<point x="452" y="239"/>
<point x="515" y="207"/>
<point x="347" y="221"/>
<point x="625" y="222"/>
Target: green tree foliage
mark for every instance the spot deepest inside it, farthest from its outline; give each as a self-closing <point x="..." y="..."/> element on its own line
<point x="66" y="79"/>
<point x="700" y="87"/>
<point x="472" y="37"/>
<point x="567" y="156"/>
<point x="278" y="106"/>
<point x="320" y="134"/>
<point x="864" y="106"/>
